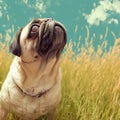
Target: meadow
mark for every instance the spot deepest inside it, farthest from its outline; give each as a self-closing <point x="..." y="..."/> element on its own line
<point x="90" y="83"/>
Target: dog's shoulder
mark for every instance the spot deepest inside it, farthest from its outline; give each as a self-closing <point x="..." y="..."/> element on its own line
<point x="13" y="73"/>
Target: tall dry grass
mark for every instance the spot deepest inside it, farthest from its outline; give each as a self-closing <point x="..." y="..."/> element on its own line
<point x="91" y="80"/>
<point x="91" y="85"/>
<point x="5" y="60"/>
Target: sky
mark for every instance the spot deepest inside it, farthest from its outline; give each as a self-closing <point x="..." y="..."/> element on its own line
<point x="99" y="17"/>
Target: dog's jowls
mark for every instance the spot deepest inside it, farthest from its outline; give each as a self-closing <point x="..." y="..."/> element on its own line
<point x="33" y="85"/>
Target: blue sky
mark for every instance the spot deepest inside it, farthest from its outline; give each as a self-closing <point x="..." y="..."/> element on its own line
<point x="97" y="16"/>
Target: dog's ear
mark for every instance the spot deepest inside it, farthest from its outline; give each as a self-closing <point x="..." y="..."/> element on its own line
<point x="57" y="44"/>
<point x="15" y="45"/>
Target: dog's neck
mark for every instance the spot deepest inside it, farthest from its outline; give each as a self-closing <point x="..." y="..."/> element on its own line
<point x="37" y="76"/>
<point x="31" y="68"/>
<point x="38" y="66"/>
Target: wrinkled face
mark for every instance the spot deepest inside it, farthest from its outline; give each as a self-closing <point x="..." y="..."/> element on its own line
<point x="43" y="38"/>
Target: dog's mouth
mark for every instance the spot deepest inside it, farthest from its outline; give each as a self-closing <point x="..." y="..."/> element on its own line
<point x="45" y="32"/>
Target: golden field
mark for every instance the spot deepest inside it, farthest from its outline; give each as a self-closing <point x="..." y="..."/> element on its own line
<point x="90" y="84"/>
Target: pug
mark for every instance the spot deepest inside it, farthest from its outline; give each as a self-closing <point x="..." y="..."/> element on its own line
<point x="32" y="87"/>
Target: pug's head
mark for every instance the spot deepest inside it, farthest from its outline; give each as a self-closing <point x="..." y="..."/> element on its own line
<point x="41" y="38"/>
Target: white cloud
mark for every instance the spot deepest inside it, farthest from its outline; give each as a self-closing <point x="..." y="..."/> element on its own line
<point x="38" y="5"/>
<point x="97" y="15"/>
<point x="103" y="11"/>
<point x="3" y="8"/>
<point x="25" y="1"/>
<point x="115" y="21"/>
<point x="0" y="9"/>
<point x="116" y="6"/>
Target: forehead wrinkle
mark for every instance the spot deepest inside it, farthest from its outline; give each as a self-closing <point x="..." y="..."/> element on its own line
<point x="35" y="21"/>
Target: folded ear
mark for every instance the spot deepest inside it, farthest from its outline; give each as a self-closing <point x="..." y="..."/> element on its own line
<point x="15" y="45"/>
<point x="57" y="44"/>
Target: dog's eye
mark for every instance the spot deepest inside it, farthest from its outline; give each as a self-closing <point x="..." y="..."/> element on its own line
<point x="34" y="28"/>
